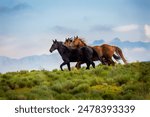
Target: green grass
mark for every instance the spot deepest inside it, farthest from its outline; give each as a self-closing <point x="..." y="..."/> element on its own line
<point x="120" y="82"/>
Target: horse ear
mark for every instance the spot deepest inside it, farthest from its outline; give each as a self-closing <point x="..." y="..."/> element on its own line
<point x="53" y="41"/>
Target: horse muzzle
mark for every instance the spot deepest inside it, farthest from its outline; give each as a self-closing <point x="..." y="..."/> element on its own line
<point x="50" y="51"/>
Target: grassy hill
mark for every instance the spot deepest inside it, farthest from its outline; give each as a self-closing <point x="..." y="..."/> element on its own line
<point x="130" y="81"/>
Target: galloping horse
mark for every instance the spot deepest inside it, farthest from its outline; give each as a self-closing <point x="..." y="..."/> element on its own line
<point x="68" y="55"/>
<point x="105" y="51"/>
<point x="68" y="42"/>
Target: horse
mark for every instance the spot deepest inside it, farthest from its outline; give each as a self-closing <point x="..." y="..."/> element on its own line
<point x="68" y="54"/>
<point x="105" y="51"/>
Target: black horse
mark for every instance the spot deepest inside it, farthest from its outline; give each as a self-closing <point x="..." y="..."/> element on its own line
<point x="68" y="55"/>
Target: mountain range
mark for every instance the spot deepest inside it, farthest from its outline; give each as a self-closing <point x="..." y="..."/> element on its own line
<point x="124" y="44"/>
<point x="35" y="62"/>
<point x="52" y="61"/>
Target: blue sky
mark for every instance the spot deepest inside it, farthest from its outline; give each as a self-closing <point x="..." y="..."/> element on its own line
<point x="28" y="26"/>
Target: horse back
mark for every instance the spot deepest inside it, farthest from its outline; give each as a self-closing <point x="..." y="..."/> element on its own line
<point x="86" y="52"/>
<point x="107" y="50"/>
<point x="74" y="55"/>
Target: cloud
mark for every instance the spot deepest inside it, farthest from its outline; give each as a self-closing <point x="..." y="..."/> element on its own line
<point x="100" y="28"/>
<point x="7" y="40"/>
<point x="147" y="30"/>
<point x="18" y="46"/>
<point x="21" y="6"/>
<point x="18" y="7"/>
<point x="64" y="30"/>
<point x="138" y="49"/>
<point x="132" y="32"/>
<point x="126" y="28"/>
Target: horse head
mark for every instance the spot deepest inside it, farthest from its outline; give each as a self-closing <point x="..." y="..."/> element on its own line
<point x="68" y="42"/>
<point x="54" y="46"/>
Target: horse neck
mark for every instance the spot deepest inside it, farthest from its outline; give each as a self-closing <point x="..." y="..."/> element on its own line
<point x="62" y="48"/>
<point x="81" y="44"/>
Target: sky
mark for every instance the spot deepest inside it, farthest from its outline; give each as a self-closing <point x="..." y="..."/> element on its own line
<point x="27" y="27"/>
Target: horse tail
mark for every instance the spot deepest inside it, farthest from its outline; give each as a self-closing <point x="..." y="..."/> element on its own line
<point x="119" y="52"/>
<point x="116" y="57"/>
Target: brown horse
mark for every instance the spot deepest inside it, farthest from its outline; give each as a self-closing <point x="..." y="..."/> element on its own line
<point x="105" y="51"/>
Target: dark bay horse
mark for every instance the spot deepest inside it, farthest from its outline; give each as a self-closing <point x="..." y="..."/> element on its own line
<point x="68" y="55"/>
<point x="105" y="51"/>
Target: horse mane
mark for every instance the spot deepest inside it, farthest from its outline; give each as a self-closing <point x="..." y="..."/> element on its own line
<point x="82" y="40"/>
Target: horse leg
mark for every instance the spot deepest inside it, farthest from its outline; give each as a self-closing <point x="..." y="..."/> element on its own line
<point x="78" y="65"/>
<point x="113" y="63"/>
<point x="89" y="61"/>
<point x="107" y="62"/>
<point x="93" y="64"/>
<point x="110" y="61"/>
<point x="100" y="56"/>
<point x="68" y="64"/>
<point x="88" y="65"/>
<point x="64" y="63"/>
<point x="102" y="60"/>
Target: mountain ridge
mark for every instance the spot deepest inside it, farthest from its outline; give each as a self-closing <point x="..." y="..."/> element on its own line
<point x="124" y="44"/>
<point x="29" y="63"/>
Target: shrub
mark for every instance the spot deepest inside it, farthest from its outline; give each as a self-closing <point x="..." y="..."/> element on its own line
<point x="81" y="88"/>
